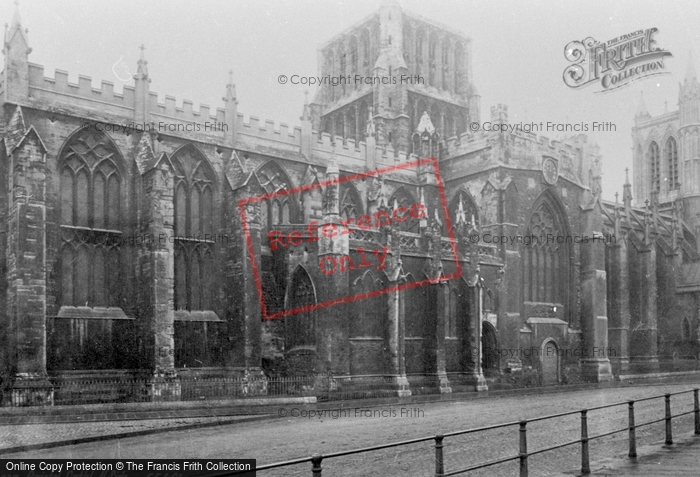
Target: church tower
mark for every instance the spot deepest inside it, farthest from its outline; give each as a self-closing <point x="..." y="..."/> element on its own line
<point x="398" y="67"/>
<point x="666" y="153"/>
<point x="689" y="136"/>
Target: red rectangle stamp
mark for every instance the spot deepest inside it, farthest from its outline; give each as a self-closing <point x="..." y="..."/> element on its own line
<point x="334" y="238"/>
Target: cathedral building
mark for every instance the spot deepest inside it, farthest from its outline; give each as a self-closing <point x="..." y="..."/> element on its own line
<point x="143" y="241"/>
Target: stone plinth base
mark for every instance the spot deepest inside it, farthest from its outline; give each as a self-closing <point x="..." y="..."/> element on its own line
<point x="470" y="381"/>
<point x="620" y="365"/>
<point x="596" y="370"/>
<point x="445" y="387"/>
<point x="479" y="382"/>
<point x="30" y="390"/>
<point x="400" y="383"/>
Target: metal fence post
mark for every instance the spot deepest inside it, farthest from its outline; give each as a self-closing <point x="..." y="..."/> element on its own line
<point x="585" y="458"/>
<point x="697" y="412"/>
<point x="669" y="430"/>
<point x="316" y="465"/>
<point x="632" y="432"/>
<point x="439" y="458"/>
<point x="523" y="448"/>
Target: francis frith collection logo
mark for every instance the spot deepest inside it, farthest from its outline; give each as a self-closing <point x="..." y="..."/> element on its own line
<point x="614" y="63"/>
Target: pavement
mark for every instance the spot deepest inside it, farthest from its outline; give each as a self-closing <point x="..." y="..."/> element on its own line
<point x="677" y="460"/>
<point x="26" y="437"/>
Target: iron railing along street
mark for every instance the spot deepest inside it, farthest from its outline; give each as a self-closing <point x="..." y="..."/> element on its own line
<point x="522" y="457"/>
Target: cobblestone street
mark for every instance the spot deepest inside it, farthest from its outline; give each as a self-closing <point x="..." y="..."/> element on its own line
<point x="295" y="436"/>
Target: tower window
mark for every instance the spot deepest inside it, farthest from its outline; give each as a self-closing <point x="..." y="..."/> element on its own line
<point x="654" y="167"/>
<point x="671" y="153"/>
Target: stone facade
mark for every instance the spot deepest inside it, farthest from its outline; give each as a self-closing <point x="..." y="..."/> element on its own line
<point x="125" y="249"/>
<point x="667" y="184"/>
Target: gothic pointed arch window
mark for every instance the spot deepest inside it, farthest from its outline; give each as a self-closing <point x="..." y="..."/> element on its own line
<point x="469" y="208"/>
<point x="446" y="64"/>
<point x="458" y="68"/>
<point x="300" y="328"/>
<point x="654" y="158"/>
<point x="279" y="209"/>
<point x="671" y="159"/>
<point x="350" y="201"/>
<point x="330" y="68"/>
<point x="91" y="182"/>
<point x="195" y="230"/>
<point x="353" y="56"/>
<point x="408" y="46"/>
<point x="432" y="59"/>
<point x="342" y="66"/>
<point x="365" y="49"/>
<point x="403" y="198"/>
<point x="420" y="53"/>
<point x="546" y="258"/>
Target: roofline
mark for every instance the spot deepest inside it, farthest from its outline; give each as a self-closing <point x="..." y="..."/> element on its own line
<point x="438" y="25"/>
<point x="467" y="39"/>
<point x="354" y="26"/>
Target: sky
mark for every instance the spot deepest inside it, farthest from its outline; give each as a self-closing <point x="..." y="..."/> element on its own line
<point x="518" y="53"/>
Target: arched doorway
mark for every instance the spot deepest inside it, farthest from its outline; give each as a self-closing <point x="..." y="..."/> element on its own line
<point x="489" y="350"/>
<point x="550" y="363"/>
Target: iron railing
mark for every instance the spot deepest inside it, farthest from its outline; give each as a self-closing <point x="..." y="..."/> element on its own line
<point x="522" y="457"/>
<point x="74" y="390"/>
<point x="93" y="390"/>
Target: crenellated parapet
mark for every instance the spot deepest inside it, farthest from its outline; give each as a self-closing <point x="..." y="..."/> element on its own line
<point x="166" y="115"/>
<point x="524" y="150"/>
<point x="185" y="113"/>
<point x="58" y="91"/>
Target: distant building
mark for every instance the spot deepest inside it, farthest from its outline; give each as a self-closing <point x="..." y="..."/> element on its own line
<point x="124" y="253"/>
